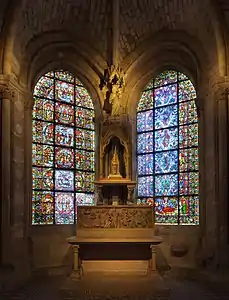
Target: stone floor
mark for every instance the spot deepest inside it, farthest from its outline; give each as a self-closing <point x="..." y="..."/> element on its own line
<point x="120" y="287"/>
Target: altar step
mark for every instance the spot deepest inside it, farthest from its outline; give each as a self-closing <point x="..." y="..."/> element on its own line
<point x="126" y="267"/>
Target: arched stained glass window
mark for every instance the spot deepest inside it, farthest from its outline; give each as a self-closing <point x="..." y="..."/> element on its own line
<point x="167" y="149"/>
<point x="62" y="149"/>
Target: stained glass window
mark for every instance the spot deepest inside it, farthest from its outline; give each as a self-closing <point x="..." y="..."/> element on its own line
<point x="167" y="149"/>
<point x="62" y="149"/>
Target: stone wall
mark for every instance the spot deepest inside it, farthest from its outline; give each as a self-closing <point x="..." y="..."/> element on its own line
<point x="180" y="247"/>
<point x="49" y="247"/>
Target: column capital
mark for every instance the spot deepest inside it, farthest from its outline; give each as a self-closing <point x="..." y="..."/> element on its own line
<point x="221" y="93"/>
<point x="6" y="92"/>
<point x="220" y="88"/>
<point x="9" y="88"/>
<point x="75" y="248"/>
<point x="153" y="248"/>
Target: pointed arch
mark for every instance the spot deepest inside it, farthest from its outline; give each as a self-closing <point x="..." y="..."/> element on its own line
<point x="167" y="149"/>
<point x="63" y="148"/>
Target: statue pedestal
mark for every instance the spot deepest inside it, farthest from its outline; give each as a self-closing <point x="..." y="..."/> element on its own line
<point x="108" y="189"/>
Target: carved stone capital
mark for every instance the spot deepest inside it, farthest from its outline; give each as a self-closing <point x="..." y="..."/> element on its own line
<point x="221" y="94"/>
<point x="220" y="88"/>
<point x="75" y="248"/>
<point x="6" y="92"/>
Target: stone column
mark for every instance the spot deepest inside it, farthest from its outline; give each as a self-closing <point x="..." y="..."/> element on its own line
<point x="153" y="267"/>
<point x="98" y="195"/>
<point x="76" y="268"/>
<point x="222" y="99"/>
<point x="130" y="198"/>
<point x="208" y="150"/>
<point x="6" y="96"/>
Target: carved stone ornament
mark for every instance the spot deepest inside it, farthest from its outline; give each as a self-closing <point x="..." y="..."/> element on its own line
<point x="112" y="85"/>
<point x="221" y="89"/>
<point x="114" y="217"/>
<point x="6" y="92"/>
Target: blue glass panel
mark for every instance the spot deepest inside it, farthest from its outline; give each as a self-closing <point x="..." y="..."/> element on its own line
<point x="145" y="121"/>
<point x="166" y="210"/>
<point x="64" y="180"/>
<point x="166" y="116"/>
<point x="166" y="162"/>
<point x="145" y="186"/>
<point x="166" y="185"/>
<point x="166" y="95"/>
<point x="145" y="164"/>
<point x="166" y="139"/>
<point x="145" y="142"/>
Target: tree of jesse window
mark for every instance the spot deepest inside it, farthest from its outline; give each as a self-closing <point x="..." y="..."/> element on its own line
<point x="62" y="149"/>
<point x="167" y="149"/>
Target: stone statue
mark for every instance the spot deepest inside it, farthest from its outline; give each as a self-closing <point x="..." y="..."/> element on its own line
<point x="112" y="84"/>
<point x="115" y="166"/>
<point x="115" y="101"/>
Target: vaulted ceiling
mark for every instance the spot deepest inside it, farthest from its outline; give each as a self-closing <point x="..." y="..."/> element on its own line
<point x="87" y="21"/>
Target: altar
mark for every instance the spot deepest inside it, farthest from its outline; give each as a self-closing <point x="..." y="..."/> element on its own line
<point x="111" y="239"/>
<point x="114" y="235"/>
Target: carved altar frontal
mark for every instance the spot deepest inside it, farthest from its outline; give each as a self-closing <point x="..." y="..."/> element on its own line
<point x="120" y="216"/>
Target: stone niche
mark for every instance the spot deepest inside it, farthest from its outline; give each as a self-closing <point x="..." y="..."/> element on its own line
<point x="115" y="184"/>
<point x="115" y="138"/>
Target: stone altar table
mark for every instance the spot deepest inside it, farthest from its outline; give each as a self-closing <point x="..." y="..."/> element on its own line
<point x="114" y="239"/>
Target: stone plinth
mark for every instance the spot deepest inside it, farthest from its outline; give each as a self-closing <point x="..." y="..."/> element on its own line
<point x="107" y="188"/>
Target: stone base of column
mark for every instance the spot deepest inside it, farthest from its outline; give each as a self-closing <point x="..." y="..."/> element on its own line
<point x="75" y="275"/>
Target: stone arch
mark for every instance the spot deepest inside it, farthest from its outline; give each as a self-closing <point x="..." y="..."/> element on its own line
<point x="47" y="53"/>
<point x="165" y="52"/>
